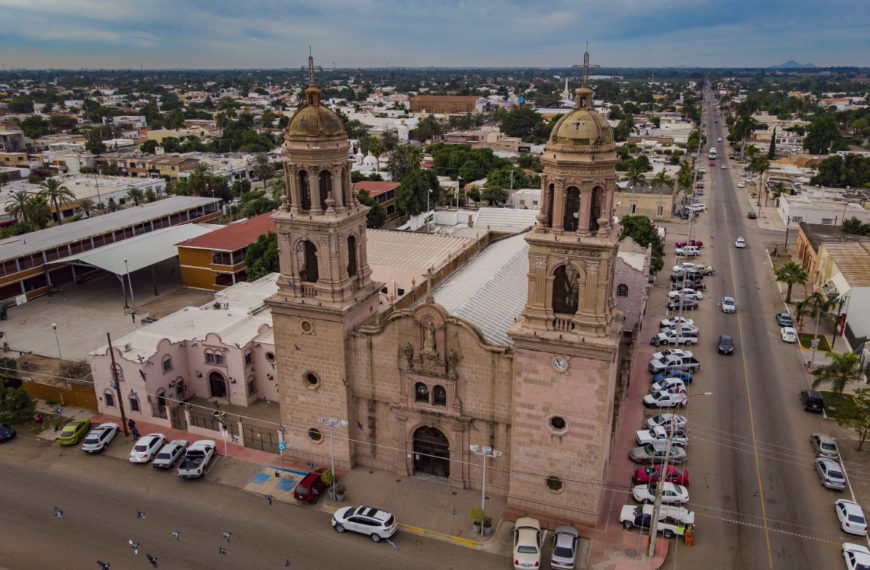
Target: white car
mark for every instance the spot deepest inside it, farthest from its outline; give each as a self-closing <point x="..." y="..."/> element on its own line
<point x="728" y="305"/>
<point x="672" y="352"/>
<point x="528" y="543"/>
<point x="789" y="334"/>
<point x="664" y="421"/>
<point x="671" y="493"/>
<point x="196" y="459"/>
<point x="686" y="294"/>
<point x="702" y="170"/>
<point x="830" y="474"/>
<point x="851" y="517"/>
<point x="668" y="323"/>
<point x="565" y="543"/>
<point x="375" y="523"/>
<point x="857" y="557"/>
<point x="659" y="434"/>
<point x="170" y="453"/>
<point x="672" y="520"/>
<point x="146" y="447"/>
<point x="99" y="438"/>
<point x="741" y="185"/>
<point x="697" y="207"/>
<point x="740" y="243"/>
<point x="724" y="167"/>
<point x="672" y="385"/>
<point x="719" y="139"/>
<point x="664" y="400"/>
<point x="688" y="251"/>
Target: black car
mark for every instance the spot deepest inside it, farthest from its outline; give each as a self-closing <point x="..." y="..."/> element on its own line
<point x="6" y="432"/>
<point x="687" y="275"/>
<point x="812" y="401"/>
<point x="687" y="284"/>
<point x="726" y="344"/>
<point x="784" y="320"/>
<point x="752" y="216"/>
<point x="690" y="304"/>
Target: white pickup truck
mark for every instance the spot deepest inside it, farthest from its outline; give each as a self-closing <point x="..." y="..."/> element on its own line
<point x="686" y="364"/>
<point x="672" y="520"/>
<point x="196" y="459"/>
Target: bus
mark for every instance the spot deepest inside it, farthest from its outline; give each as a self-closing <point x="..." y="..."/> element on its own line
<point x="712" y="153"/>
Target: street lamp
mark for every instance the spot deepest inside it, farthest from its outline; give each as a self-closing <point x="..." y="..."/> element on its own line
<point x="332" y="422"/>
<point x="631" y="209"/>
<point x="428" y="208"/>
<point x="132" y="298"/>
<point x="485" y="451"/>
<point x="458" y="178"/>
<point x="54" y="326"/>
<point x="653" y="529"/>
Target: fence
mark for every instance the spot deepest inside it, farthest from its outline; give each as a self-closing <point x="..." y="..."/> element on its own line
<point x="205" y="420"/>
<point x="257" y="437"/>
<point x="81" y="395"/>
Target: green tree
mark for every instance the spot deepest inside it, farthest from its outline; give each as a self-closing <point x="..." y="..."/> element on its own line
<point x="771" y="152"/>
<point x="261" y="257"/>
<point x="377" y="214"/>
<point x="854" y="226"/>
<point x="86" y="207"/>
<point x="412" y="194"/>
<point x="150" y="196"/>
<point x="355" y="130"/>
<point x="520" y="122"/>
<point x="844" y="368"/>
<point x="260" y="206"/>
<point x="818" y="308"/>
<point x="494" y="194"/>
<point x="642" y="231"/>
<point x="16" y="405"/>
<point x="390" y="140"/>
<point x="57" y="195"/>
<point x="112" y="205"/>
<point x="263" y="169"/>
<point x="4" y="179"/>
<point x="34" y="127"/>
<point x="525" y="160"/>
<point x="20" y="105"/>
<point x="136" y="195"/>
<point x="854" y="413"/>
<point x="403" y="160"/>
<point x="38" y="211"/>
<point x="108" y="168"/>
<point x="824" y="135"/>
<point x="95" y="147"/>
<point x="86" y="170"/>
<point x="148" y="146"/>
<point x="17" y="205"/>
<point x="791" y="274"/>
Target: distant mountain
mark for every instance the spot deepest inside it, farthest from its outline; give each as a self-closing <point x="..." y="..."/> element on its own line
<point x="791" y="64"/>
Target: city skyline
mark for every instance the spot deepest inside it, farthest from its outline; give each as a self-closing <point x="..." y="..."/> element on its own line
<point x="266" y="34"/>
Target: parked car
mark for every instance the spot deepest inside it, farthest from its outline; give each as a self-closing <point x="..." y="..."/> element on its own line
<point x="789" y="334"/>
<point x="719" y="139"/>
<point x="699" y="191"/>
<point x="170" y="453"/>
<point x="687" y="275"/>
<point x="693" y="242"/>
<point x="528" y="543"/>
<point x="686" y="364"/>
<point x="652" y="453"/>
<point x="729" y="305"/>
<point x="146" y="447"/>
<point x="830" y="474"/>
<point x="672" y="385"/>
<point x="375" y="523"/>
<point x="73" y="432"/>
<point x="673" y="373"/>
<point x="726" y="344"/>
<point x="664" y="399"/>
<point x="668" y="323"/>
<point x="664" y="420"/>
<point x="688" y="251"/>
<point x="672" y="336"/>
<point x="812" y="401"/>
<point x="686" y="304"/>
<point x="686" y="294"/>
<point x="851" y="517"/>
<point x="697" y="208"/>
<point x="696" y="267"/>
<point x="671" y="494"/>
<point x="565" y="542"/>
<point x="752" y="216"/>
<point x="857" y="557"/>
<point x="653" y="473"/>
<point x="99" y="438"/>
<point x="6" y="433"/>
<point x="784" y="320"/>
<point x="672" y="520"/>
<point x="724" y="167"/>
<point x="824" y="446"/>
<point x="740" y="243"/>
<point x="741" y="185"/>
<point x="310" y="488"/>
<point x="673" y="352"/>
<point x="659" y="434"/>
<point x="196" y="459"/>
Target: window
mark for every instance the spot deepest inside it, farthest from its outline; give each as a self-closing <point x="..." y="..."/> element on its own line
<point x="421" y="393"/>
<point x="827" y="221"/>
<point x="251" y="386"/>
<point x="557" y="422"/>
<point x="218" y="358"/>
<point x="534" y="202"/>
<point x="797" y="219"/>
<point x="554" y="483"/>
<point x="248" y="358"/>
<point x="633" y="208"/>
<point x="270" y="357"/>
<point x="110" y="399"/>
<point x="522" y="202"/>
<point x="314" y="434"/>
<point x="440" y="396"/>
<point x="209" y="357"/>
<point x="134" y="404"/>
<point x="167" y="364"/>
<point x="622" y="290"/>
<point x="312" y="380"/>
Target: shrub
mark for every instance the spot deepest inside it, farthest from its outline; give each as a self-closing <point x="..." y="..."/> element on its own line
<point x="16" y="405"/>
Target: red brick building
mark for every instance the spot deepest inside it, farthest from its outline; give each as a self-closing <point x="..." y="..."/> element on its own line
<point x="383" y="192"/>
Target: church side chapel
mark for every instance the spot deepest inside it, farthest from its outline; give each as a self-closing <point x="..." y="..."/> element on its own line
<point x="524" y="361"/>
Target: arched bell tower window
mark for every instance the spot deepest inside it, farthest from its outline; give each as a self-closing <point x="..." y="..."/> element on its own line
<point x="566" y="290"/>
<point x="622" y="290"/>
<point x="325" y="187"/>
<point x="572" y="210"/>
<point x="421" y="393"/>
<point x="440" y="396"/>
<point x="308" y="271"/>
<point x="304" y="190"/>
<point x="595" y="210"/>
<point x="351" y="256"/>
<point x="551" y="193"/>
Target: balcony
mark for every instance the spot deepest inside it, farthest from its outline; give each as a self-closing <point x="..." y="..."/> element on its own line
<point x="563" y="324"/>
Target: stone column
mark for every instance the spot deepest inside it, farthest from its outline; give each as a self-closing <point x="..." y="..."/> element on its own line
<point x="540" y="291"/>
<point x="295" y="191"/>
<point x="591" y="286"/>
<point x="606" y="220"/>
<point x="338" y="189"/>
<point x="314" y="190"/>
<point x="559" y="206"/>
<point x="542" y="215"/>
<point x="585" y="212"/>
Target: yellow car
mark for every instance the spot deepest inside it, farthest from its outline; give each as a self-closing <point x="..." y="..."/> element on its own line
<point x="73" y="432"/>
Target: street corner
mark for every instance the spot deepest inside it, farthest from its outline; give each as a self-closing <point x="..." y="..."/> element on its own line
<point x="275" y="482"/>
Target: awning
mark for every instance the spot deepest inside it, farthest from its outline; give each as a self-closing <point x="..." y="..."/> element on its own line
<point x="837" y="286"/>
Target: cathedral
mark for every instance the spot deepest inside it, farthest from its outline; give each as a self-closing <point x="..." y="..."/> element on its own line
<point x="517" y="351"/>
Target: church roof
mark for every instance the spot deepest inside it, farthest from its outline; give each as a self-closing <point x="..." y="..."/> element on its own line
<point x="491" y="290"/>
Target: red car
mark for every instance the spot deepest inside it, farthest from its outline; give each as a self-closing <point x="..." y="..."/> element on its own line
<point x="694" y="242"/>
<point x="309" y="489"/>
<point x="712" y="163"/>
<point x="651" y="474"/>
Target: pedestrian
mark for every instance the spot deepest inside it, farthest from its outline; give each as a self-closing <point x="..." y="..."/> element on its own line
<point x="131" y="424"/>
<point x="774" y="252"/>
<point x="135" y="433"/>
<point x="37" y="417"/>
<point x="687" y="536"/>
<point x="133" y="314"/>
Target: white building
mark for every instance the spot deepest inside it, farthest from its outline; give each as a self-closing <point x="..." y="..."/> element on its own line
<point x="818" y="206"/>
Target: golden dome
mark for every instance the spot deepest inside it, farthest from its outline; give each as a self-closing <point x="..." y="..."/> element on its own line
<point x="314" y="119"/>
<point x="582" y="126"/>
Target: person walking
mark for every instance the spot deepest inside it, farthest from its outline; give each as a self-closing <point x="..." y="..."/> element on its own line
<point x="135" y="433"/>
<point x="687" y="536"/>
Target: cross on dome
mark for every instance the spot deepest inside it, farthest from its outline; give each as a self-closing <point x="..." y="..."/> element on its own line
<point x="311" y="67"/>
<point x="585" y="67"/>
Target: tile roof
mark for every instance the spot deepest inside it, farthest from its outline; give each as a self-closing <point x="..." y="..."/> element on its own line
<point x="505" y="220"/>
<point x="234" y="236"/>
<point x="375" y="187"/>
<point x="853" y="261"/>
<point x="491" y="290"/>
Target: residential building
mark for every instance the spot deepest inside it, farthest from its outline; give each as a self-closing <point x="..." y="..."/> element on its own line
<point x="171" y="166"/>
<point x="632" y="283"/>
<point x="812" y="236"/>
<point x="450" y="104"/>
<point x="844" y="274"/>
<point x="525" y="199"/>
<point x="12" y="140"/>
<point x="654" y="203"/>
<point x="818" y="206"/>
<point x="14" y="159"/>
<point x="383" y="192"/>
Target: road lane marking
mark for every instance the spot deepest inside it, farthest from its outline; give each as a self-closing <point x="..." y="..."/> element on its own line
<point x="765" y="529"/>
<point x="749" y="402"/>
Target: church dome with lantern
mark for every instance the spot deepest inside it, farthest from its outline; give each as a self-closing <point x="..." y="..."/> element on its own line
<point x="583" y="126"/>
<point x="314" y="119"/>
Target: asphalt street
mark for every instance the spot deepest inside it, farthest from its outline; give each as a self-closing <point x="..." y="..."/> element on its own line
<point x="758" y="500"/>
<point x="100" y="495"/>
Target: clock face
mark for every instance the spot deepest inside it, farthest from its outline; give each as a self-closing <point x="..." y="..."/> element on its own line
<point x="560" y="364"/>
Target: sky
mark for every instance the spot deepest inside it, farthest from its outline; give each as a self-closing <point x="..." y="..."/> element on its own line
<point x="161" y="34"/>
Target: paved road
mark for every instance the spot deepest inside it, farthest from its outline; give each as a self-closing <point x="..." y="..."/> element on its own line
<point x="758" y="500"/>
<point x="100" y="494"/>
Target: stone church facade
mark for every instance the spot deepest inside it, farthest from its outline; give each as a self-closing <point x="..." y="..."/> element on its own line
<point x="419" y="386"/>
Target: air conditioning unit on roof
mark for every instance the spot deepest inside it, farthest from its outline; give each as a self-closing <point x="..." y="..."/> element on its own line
<point x="128" y="347"/>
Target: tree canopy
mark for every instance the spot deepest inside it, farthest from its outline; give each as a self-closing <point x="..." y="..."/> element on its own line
<point x="824" y="135"/>
<point x="412" y="194"/>
<point x="261" y="257"/>
<point x="839" y="172"/>
<point x="642" y="231"/>
<point x="377" y="214"/>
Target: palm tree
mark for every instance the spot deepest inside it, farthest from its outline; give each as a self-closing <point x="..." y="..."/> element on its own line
<point x="57" y="194"/>
<point x="86" y="207"/>
<point x="790" y="274"/>
<point x="39" y="211"/>
<point x="819" y="308"/>
<point x="415" y="158"/>
<point x="661" y="181"/>
<point x="220" y="121"/>
<point x="17" y="205"/>
<point x="135" y="194"/>
<point x="263" y="169"/>
<point x="112" y="205"/>
<point x="778" y="190"/>
<point x="844" y="368"/>
<point x="635" y="177"/>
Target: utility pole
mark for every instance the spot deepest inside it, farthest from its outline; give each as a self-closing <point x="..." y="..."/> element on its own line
<point x="117" y="385"/>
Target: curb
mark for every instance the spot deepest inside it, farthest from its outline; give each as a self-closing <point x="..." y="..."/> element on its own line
<point x="468" y="543"/>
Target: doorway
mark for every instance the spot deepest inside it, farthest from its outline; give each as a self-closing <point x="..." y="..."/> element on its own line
<point x="218" y="385"/>
<point x="431" y="452"/>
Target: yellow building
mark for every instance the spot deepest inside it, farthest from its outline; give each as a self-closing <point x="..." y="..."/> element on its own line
<point x="648" y="201"/>
<point x="171" y="166"/>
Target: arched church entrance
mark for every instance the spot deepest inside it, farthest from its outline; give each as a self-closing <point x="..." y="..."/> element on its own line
<point x="217" y="385"/>
<point x="431" y="452"/>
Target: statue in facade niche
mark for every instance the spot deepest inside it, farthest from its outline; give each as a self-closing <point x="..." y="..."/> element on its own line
<point x="429" y="337"/>
<point x="572" y="287"/>
<point x="408" y="351"/>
